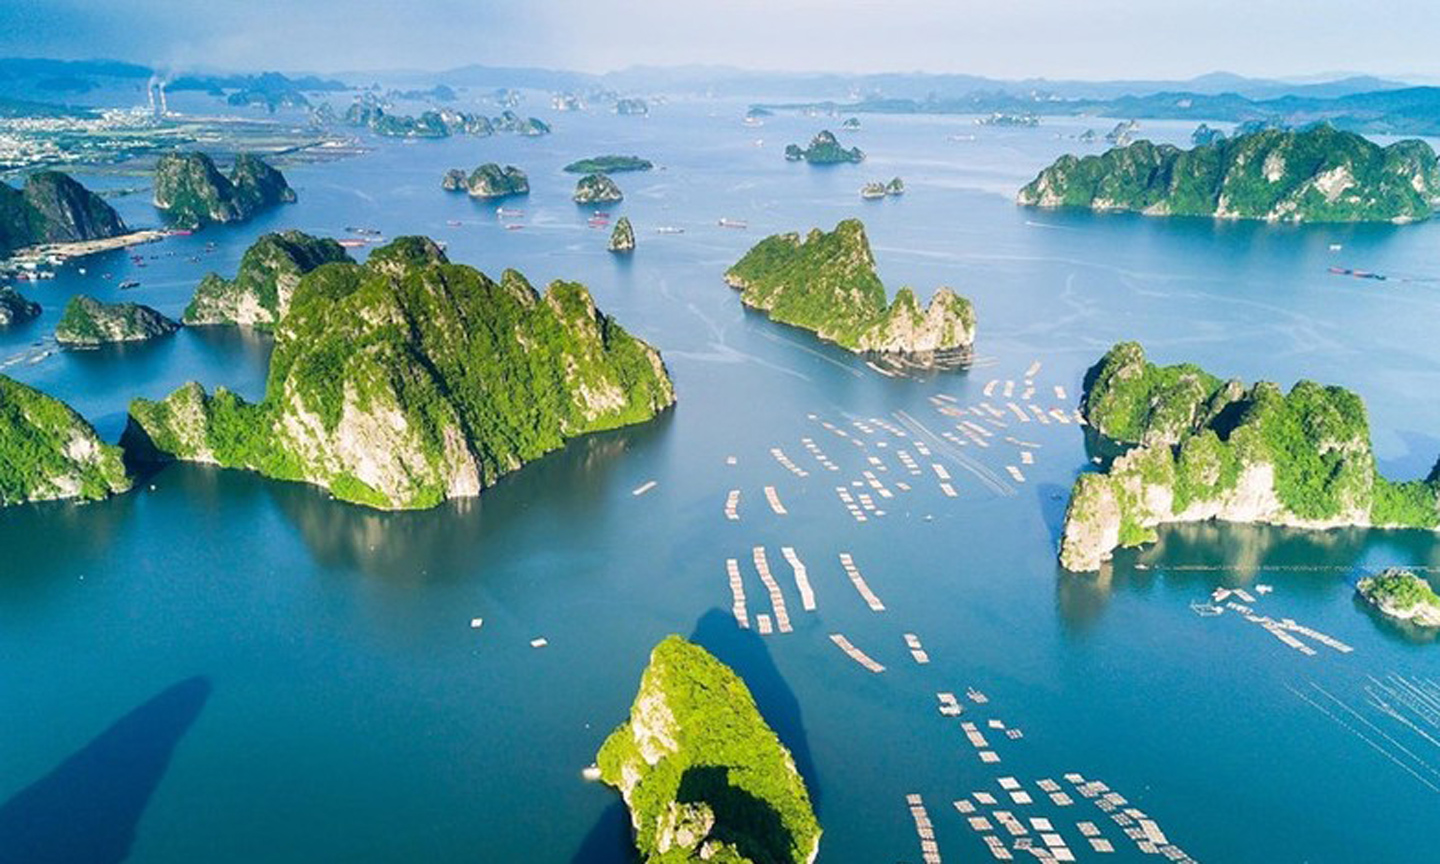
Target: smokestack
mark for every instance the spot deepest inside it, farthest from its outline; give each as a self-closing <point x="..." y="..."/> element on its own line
<point x="164" y="109"/>
<point x="150" y="93"/>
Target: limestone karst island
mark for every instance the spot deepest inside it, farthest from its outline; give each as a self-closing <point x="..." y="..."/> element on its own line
<point x="719" y="433"/>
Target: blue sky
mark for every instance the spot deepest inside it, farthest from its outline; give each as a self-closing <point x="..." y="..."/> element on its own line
<point x="1002" y="38"/>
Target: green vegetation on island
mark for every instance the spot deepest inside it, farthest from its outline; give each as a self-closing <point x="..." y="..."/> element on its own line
<point x="270" y="270"/>
<point x="193" y="192"/>
<point x="53" y="208"/>
<point x="609" y="165"/>
<point x="1402" y="594"/>
<point x="48" y="452"/>
<point x="622" y="239"/>
<point x="488" y="181"/>
<point x="824" y="149"/>
<point x="597" y="189"/>
<point x="704" y="777"/>
<point x="408" y="380"/>
<point x="372" y="112"/>
<point x="876" y="190"/>
<point x="89" y="322"/>
<point x="1200" y="448"/>
<point x="1317" y="174"/>
<point x="14" y="308"/>
<point x="827" y="283"/>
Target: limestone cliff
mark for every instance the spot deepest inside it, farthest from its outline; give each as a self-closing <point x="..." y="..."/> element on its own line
<point x="88" y="322"/>
<point x="270" y="270"/>
<point x="48" y="452"/>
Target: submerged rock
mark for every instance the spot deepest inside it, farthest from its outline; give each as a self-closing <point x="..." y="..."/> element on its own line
<point x="48" y="452"/>
<point x="87" y="321"/>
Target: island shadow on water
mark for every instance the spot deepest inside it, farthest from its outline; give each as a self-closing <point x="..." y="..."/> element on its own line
<point x="610" y="840"/>
<point x="87" y="809"/>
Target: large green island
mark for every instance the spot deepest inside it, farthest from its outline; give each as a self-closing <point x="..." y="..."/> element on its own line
<point x="703" y="775"/>
<point x="1198" y="448"/>
<point x="409" y="380"/>
<point x="1318" y="174"/>
<point x="826" y="283"/>
<point x="48" y="452"/>
<point x="53" y="208"/>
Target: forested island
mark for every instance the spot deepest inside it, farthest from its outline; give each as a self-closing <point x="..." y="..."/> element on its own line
<point x="597" y="189"/>
<point x="48" y="452"/>
<point x="622" y="239"/>
<point x="1403" y="595"/>
<point x="88" y="322"/>
<point x="372" y="114"/>
<point x="1319" y="174"/>
<point x="490" y="180"/>
<point x="609" y="165"/>
<point x="824" y="149"/>
<point x="704" y="777"/>
<point x="826" y="283"/>
<point x="1199" y="448"/>
<point x="14" y="308"/>
<point x="270" y="270"/>
<point x="53" y="208"/>
<point x="408" y="380"/>
<point x="192" y="192"/>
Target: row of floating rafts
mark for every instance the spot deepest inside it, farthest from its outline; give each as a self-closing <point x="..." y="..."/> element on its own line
<point x="849" y="501"/>
<point x="868" y="503"/>
<point x="819" y="454"/>
<point x="802" y="578"/>
<point x="732" y="505"/>
<point x="862" y="426"/>
<point x="787" y="464"/>
<point x="875" y="484"/>
<point x="889" y="427"/>
<point x="861" y="586"/>
<point x="917" y="650"/>
<point x="777" y="599"/>
<point x="737" y="593"/>
<point x="1015" y="473"/>
<point x="774" y="498"/>
<point x="924" y="829"/>
<point x="856" y="654"/>
<point x="949" y="705"/>
<point x="909" y="462"/>
<point x="877" y="462"/>
<point x="842" y="433"/>
<point x="922" y="448"/>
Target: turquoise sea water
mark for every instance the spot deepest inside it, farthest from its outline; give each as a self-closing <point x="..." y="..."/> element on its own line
<point x="304" y="679"/>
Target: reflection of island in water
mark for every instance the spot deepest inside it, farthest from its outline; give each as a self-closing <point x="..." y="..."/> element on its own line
<point x="570" y="486"/>
<point x="1203" y="555"/>
<point x="87" y="809"/>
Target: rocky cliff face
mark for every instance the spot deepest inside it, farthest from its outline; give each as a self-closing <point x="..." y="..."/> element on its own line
<point x="622" y="239"/>
<point x="270" y="270"/>
<point x="14" y="308"/>
<point x="193" y="192"/>
<point x="53" y="208"/>
<point x="696" y="764"/>
<point x="409" y="380"/>
<point x="1318" y="174"/>
<point x="1203" y="449"/>
<point x="827" y="283"/>
<point x="596" y="189"/>
<point x="48" y="452"/>
<point x="89" y="322"/>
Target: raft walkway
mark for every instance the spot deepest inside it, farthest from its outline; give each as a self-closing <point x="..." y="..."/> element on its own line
<point x="787" y="464"/>
<point x="802" y="578"/>
<point x="732" y="505"/>
<point x="860" y="584"/>
<point x="777" y="599"/>
<point x="924" y="829"/>
<point x="917" y="651"/>
<point x="855" y="653"/>
<point x="774" y="498"/>
<point x="737" y="594"/>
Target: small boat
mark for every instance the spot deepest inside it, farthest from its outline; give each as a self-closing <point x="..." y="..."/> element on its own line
<point x="508" y="211"/>
<point x="452" y="222"/>
<point x="350" y="242"/>
<point x="128" y="284"/>
<point x="1358" y="274"/>
<point x="734" y="223"/>
<point x="513" y="227"/>
<point x="181" y="232"/>
<point x="669" y="229"/>
<point x="1336" y="247"/>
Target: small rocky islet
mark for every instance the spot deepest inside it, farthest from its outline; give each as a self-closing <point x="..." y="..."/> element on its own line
<point x="622" y="239"/>
<point x="88" y="322"/>
<point x="695" y="761"/>
<point x="1402" y="595"/>
<point x="824" y="149"/>
<point x="597" y="188"/>
<point x="826" y="282"/>
<point x="490" y="180"/>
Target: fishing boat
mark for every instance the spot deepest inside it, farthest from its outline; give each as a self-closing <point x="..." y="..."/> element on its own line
<point x="1358" y="274"/>
<point x="669" y="229"/>
<point x="734" y="223"/>
<point x="128" y="284"/>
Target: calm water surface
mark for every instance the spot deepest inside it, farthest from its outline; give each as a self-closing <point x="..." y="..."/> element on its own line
<point x="255" y="673"/>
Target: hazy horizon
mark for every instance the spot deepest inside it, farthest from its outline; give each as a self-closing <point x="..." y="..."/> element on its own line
<point x="1274" y="39"/>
